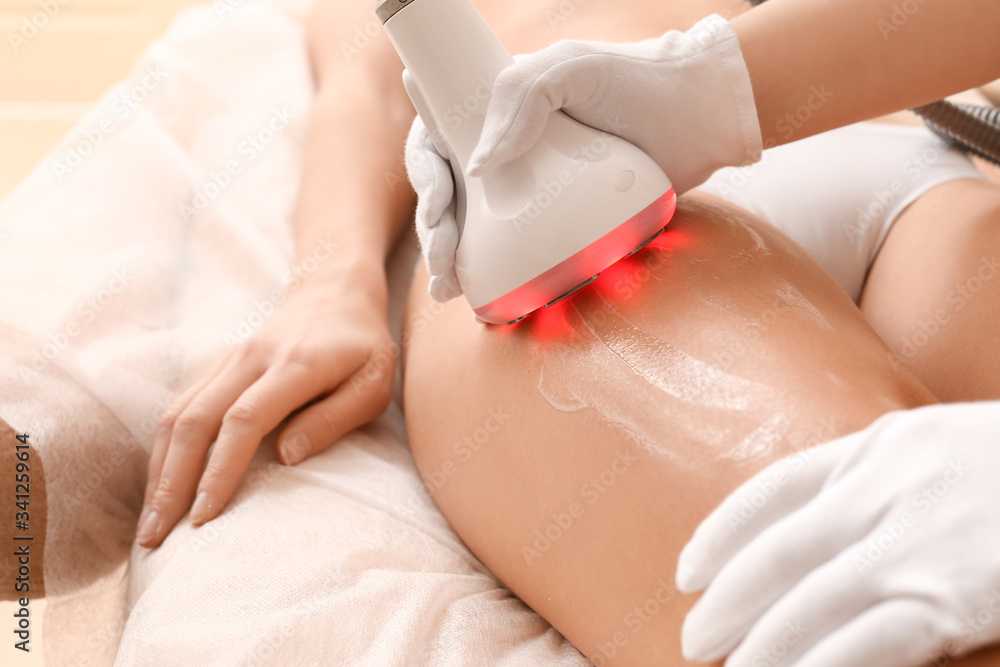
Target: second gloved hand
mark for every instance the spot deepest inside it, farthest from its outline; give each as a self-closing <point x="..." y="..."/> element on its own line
<point x="437" y="228"/>
<point x="684" y="98"/>
<point x="879" y="548"/>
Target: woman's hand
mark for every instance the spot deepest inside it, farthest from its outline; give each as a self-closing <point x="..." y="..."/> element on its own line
<point x="327" y="347"/>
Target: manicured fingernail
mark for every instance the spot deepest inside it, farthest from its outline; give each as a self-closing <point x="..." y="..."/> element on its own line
<point x="142" y="517"/>
<point x="295" y="449"/>
<point x="149" y="528"/>
<point x="199" y="511"/>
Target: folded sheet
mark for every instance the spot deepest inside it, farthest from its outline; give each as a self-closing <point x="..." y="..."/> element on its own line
<point x="134" y="257"/>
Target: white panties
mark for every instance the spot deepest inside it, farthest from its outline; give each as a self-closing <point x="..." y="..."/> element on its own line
<point x="838" y="193"/>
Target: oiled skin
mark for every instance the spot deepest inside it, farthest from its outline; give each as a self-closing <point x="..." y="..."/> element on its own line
<point x="704" y="288"/>
<point x="622" y="550"/>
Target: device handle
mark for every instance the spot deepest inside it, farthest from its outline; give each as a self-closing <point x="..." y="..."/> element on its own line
<point x="420" y="104"/>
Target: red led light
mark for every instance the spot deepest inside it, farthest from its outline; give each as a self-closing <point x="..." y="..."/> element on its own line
<point x="590" y="261"/>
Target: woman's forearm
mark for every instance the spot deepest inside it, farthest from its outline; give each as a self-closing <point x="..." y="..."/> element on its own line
<point x="345" y="196"/>
<point x="353" y="192"/>
<point x="820" y="64"/>
<point x="324" y="351"/>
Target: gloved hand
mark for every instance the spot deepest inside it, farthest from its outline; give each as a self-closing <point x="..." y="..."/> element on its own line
<point x="437" y="228"/>
<point x="684" y="98"/>
<point x="879" y="548"/>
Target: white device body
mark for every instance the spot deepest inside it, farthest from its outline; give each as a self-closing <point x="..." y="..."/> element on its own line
<point x="537" y="227"/>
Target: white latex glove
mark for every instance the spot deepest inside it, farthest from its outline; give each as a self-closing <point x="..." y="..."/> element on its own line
<point x="437" y="228"/>
<point x="685" y="98"/>
<point x="881" y="548"/>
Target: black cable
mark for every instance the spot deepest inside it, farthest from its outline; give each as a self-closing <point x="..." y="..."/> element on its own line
<point x="974" y="129"/>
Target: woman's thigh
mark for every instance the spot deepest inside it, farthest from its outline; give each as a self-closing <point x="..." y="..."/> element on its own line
<point x="933" y="292"/>
<point x="83" y="473"/>
<point x="576" y="452"/>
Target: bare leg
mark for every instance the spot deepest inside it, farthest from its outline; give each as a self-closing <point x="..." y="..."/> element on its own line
<point x="89" y="489"/>
<point x="933" y="293"/>
<point x="576" y="452"/>
<point x="22" y="478"/>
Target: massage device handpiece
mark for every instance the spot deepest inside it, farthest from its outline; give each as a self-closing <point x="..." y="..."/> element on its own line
<point x="539" y="227"/>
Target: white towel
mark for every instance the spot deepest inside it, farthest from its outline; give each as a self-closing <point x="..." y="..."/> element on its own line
<point x="131" y="262"/>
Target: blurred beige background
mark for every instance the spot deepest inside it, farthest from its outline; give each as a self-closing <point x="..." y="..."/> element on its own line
<point x="51" y="75"/>
<point x="51" y="78"/>
<point x="57" y="57"/>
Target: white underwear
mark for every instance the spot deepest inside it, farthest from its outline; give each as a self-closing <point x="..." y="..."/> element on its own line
<point x="838" y="193"/>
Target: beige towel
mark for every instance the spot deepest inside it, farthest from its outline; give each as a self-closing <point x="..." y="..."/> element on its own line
<point x="131" y="263"/>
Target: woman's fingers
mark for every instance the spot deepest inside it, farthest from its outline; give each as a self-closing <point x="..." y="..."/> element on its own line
<point x="192" y="433"/>
<point x="161" y="439"/>
<point x="243" y="401"/>
<point x="282" y="389"/>
<point x="354" y="403"/>
<point x="245" y="397"/>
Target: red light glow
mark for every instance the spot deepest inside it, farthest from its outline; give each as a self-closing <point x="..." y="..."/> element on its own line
<point x="590" y="261"/>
